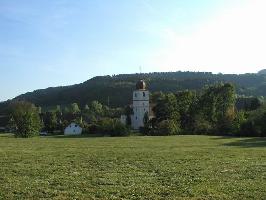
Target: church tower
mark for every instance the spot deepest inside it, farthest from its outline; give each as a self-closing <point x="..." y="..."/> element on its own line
<point x="141" y="105"/>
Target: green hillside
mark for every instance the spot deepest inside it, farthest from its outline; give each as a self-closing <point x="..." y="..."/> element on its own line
<point x="118" y="89"/>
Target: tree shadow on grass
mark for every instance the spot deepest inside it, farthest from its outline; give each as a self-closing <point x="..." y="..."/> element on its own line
<point x="222" y="137"/>
<point x="248" y="143"/>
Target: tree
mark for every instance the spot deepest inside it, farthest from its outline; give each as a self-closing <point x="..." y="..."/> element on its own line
<point x="74" y="108"/>
<point x="66" y="110"/>
<point x="217" y="106"/>
<point x="128" y="112"/>
<point x="86" y="108"/>
<point x="156" y="96"/>
<point x="25" y="120"/>
<point x="146" y="118"/>
<point x="96" y="108"/>
<point x="58" y="108"/>
<point x="238" y="122"/>
<point x="86" y="113"/>
<point x="248" y="103"/>
<point x="59" y="118"/>
<point x="185" y="102"/>
<point x="255" y="125"/>
<point x="50" y="121"/>
<point x="167" y="109"/>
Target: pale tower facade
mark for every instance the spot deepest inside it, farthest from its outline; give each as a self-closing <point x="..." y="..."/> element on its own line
<point x="141" y="105"/>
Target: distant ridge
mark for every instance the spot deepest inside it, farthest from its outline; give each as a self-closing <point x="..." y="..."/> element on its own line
<point x="263" y="71"/>
<point x="118" y="88"/>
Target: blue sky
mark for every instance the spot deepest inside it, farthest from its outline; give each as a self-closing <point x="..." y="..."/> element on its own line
<point x="62" y="42"/>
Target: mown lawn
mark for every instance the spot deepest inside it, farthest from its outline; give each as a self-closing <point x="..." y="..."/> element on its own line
<point x="178" y="167"/>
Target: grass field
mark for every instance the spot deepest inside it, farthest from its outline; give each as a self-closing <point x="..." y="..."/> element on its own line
<point x="178" y="167"/>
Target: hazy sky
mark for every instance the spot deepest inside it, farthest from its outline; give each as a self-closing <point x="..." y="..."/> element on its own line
<point x="60" y="42"/>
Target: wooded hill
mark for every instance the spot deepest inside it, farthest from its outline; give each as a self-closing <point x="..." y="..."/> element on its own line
<point x="117" y="90"/>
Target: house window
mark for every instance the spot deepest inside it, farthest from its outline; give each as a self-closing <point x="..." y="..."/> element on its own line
<point x="136" y="118"/>
<point x="135" y="94"/>
<point x="76" y="125"/>
<point x="144" y="94"/>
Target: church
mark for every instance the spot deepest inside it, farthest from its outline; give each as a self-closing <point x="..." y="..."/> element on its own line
<point x="140" y="106"/>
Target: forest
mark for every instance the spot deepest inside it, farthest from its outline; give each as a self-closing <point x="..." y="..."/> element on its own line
<point x="116" y="90"/>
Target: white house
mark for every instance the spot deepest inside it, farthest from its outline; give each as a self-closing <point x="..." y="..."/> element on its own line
<point x="73" y="129"/>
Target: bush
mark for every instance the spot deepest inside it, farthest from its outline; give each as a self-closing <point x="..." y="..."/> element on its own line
<point x="145" y="130"/>
<point x="119" y="129"/>
<point x="247" y="129"/>
<point x="202" y="126"/>
<point x="92" y="129"/>
<point x="113" y="127"/>
<point x="255" y="125"/>
<point x="167" y="127"/>
<point x="105" y="125"/>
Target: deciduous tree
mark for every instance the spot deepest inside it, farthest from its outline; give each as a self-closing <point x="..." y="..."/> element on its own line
<point x="25" y="120"/>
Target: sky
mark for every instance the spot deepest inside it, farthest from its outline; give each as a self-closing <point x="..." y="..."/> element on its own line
<point x="63" y="42"/>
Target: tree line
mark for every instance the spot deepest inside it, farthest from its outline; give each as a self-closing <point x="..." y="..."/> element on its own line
<point x="213" y="112"/>
<point x="27" y="120"/>
<point x="216" y="110"/>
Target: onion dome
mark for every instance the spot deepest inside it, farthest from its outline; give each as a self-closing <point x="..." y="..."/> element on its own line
<point x="141" y="85"/>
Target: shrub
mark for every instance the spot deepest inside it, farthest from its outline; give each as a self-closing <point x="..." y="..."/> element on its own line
<point x="119" y="129"/>
<point x="255" y="125"/>
<point x="247" y="129"/>
<point x="145" y="130"/>
<point x="168" y="127"/>
<point x="91" y="129"/>
<point x="202" y="126"/>
<point x="113" y="127"/>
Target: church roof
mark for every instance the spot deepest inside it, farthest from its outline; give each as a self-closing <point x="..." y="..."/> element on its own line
<point x="141" y="85"/>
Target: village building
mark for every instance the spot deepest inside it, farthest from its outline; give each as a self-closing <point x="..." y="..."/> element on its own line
<point x="140" y="106"/>
<point x="73" y="129"/>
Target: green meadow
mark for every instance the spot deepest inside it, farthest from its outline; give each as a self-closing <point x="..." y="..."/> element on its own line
<point x="176" y="167"/>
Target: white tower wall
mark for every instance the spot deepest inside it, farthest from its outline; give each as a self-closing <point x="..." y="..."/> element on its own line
<point x="140" y="107"/>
